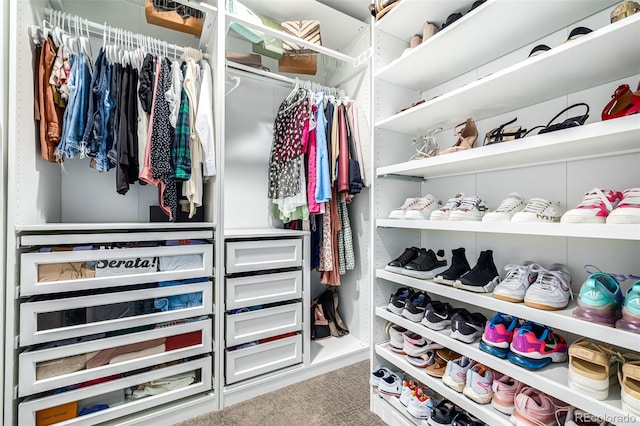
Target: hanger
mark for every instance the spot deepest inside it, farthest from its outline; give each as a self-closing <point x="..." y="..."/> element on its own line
<point x="237" y="80"/>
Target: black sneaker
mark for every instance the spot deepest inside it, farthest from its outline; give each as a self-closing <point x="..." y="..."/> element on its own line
<point x="399" y="299"/>
<point x="483" y="278"/>
<point x="426" y="265"/>
<point x="459" y="267"/>
<point x="465" y="419"/>
<point x="467" y="327"/>
<point x="415" y="306"/>
<point x="397" y="264"/>
<point x="443" y="414"/>
<point x="437" y="315"/>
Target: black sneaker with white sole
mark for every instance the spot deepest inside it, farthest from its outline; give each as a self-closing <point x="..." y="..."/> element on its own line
<point x="426" y="265"/>
<point x="398" y="300"/>
<point x="415" y="306"/>
<point x="459" y="267"/>
<point x="437" y="315"/>
<point x="397" y="264"/>
<point x="467" y="327"/>
<point x="483" y="278"/>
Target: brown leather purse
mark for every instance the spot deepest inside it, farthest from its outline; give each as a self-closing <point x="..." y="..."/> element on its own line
<point x="299" y="64"/>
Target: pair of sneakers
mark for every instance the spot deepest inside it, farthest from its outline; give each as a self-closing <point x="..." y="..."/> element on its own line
<point x="461" y="208"/>
<point x="541" y="288"/>
<point x="418" y="263"/>
<point x="606" y="206"/>
<point x="474" y="380"/>
<point x="416" y="208"/>
<point x="418" y="399"/>
<point x="515" y="208"/>
<point x="386" y="381"/>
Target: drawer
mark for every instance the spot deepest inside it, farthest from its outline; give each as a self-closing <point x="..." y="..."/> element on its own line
<point x="64" y="271"/>
<point x="28" y="409"/>
<point x="49" y="320"/>
<point x="257" y="255"/>
<point x="260" y="289"/>
<point x="56" y="367"/>
<point x="259" y="324"/>
<point x="249" y="362"/>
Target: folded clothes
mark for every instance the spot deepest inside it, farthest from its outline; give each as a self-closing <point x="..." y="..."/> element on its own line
<point x="50" y="272"/>
<point x="60" y="366"/>
<point x="139" y="354"/>
<point x="105" y="356"/>
<point x="166" y="384"/>
<point x="183" y="340"/>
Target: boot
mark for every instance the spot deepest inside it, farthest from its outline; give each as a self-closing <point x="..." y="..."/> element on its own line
<point x="483" y="278"/>
<point x="459" y="266"/>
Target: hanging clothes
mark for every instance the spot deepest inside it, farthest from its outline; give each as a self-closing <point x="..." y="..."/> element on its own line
<point x="343" y="149"/>
<point x="204" y="122"/>
<point x="51" y="115"/>
<point x="323" y="176"/>
<point x="192" y="188"/>
<point x="181" y="152"/>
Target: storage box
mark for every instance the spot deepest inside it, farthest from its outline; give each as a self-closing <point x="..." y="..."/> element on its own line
<point x="57" y="414"/>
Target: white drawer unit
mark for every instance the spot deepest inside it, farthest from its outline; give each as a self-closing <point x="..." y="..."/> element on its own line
<point x="249" y="362"/>
<point x="260" y="289"/>
<point x="29" y="408"/>
<point x="57" y="319"/>
<point x="261" y="323"/>
<point x="263" y="254"/>
<point x="51" y="368"/>
<point x="65" y="271"/>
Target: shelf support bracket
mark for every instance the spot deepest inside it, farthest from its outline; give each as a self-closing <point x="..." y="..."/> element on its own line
<point x="403" y="177"/>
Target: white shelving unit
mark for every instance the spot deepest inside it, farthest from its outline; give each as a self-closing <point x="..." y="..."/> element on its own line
<point x="463" y="71"/>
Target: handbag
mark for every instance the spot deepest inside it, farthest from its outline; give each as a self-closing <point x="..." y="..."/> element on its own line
<point x="503" y="133"/>
<point x="575" y="121"/>
<point x="302" y="64"/>
<point x="306" y="30"/>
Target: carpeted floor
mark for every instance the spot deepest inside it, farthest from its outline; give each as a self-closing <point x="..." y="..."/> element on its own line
<point x="339" y="398"/>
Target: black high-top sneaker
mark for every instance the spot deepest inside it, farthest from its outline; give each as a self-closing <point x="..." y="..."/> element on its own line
<point x="483" y="278"/>
<point x="459" y="267"/>
<point x="426" y="265"/>
<point x="397" y="264"/>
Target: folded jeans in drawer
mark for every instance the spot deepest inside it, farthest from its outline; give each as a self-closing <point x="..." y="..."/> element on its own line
<point x="261" y="289"/>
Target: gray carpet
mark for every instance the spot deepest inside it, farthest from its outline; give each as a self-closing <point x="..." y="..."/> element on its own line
<point x="338" y="398"/>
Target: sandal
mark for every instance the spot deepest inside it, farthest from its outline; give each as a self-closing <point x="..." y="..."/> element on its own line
<point x="624" y="10"/>
<point x="467" y="136"/>
<point x="426" y="145"/>
<point x="443" y="356"/>
<point x="590" y="368"/>
<point x="502" y="134"/>
<point x="412" y="105"/>
<point x="629" y="376"/>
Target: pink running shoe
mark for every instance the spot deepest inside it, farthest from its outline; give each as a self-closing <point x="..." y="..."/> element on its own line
<point x="534" y="408"/>
<point x="594" y="208"/>
<point x="505" y="390"/>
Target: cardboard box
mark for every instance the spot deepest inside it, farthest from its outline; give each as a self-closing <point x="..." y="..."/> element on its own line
<point x="57" y="414"/>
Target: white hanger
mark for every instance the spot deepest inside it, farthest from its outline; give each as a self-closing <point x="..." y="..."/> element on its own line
<point x="237" y="80"/>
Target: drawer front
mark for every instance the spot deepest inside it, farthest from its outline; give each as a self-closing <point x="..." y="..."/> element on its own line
<point x="248" y="326"/>
<point x="29" y="409"/>
<point x="50" y="320"/>
<point x="260" y="289"/>
<point x="259" y="255"/>
<point x="57" y="272"/>
<point x="52" y="368"/>
<point x="249" y="362"/>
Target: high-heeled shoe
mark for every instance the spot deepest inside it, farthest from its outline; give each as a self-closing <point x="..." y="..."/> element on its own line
<point x="467" y="135"/>
<point x="623" y="102"/>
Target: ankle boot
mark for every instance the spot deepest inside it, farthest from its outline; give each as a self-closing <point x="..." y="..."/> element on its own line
<point x="483" y="277"/>
<point x="459" y="266"/>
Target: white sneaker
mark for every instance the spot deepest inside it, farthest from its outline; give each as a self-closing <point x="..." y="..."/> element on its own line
<point x="455" y="375"/>
<point x="517" y="281"/>
<point x="507" y="208"/>
<point x="408" y="387"/>
<point x="471" y="208"/>
<point x="396" y="338"/>
<point x="377" y="375"/>
<point x="443" y="212"/>
<point x="552" y="289"/>
<point x="390" y="385"/>
<point x="628" y="210"/>
<point x="420" y="404"/>
<point x="422" y="209"/>
<point x="400" y="212"/>
<point x="596" y="205"/>
<point x="539" y="210"/>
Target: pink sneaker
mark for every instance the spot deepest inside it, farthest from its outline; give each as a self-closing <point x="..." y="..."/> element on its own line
<point x="505" y="390"/>
<point x="594" y="208"/>
<point x="534" y="408"/>
<point x="628" y="210"/>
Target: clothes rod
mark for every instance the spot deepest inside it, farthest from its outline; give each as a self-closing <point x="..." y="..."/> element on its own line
<point x="233" y="66"/>
<point x="98" y="30"/>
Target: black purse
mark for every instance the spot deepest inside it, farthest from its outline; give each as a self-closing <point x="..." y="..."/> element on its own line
<point x="576" y="121"/>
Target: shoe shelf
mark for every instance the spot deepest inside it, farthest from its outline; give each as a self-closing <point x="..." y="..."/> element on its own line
<point x="600" y="139"/>
<point x="392" y="412"/>
<point x="109" y="226"/>
<point x="560" y="320"/>
<point x="551" y="380"/>
<point x="489" y="41"/>
<point x="579" y="230"/>
<point x="486" y="413"/>
<point x="594" y="59"/>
